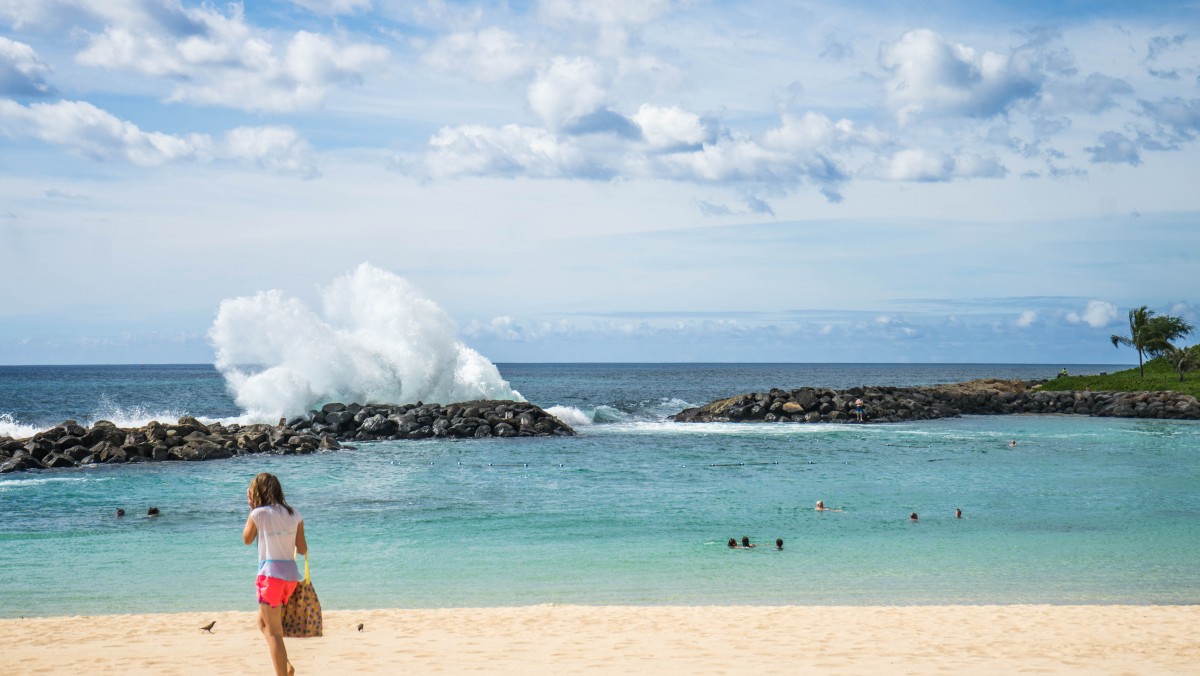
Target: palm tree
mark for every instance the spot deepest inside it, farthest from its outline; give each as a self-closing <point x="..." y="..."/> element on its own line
<point x="1183" y="359"/>
<point x="1151" y="334"/>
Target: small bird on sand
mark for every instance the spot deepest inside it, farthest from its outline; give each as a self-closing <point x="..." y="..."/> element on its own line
<point x="360" y="626"/>
<point x="208" y="627"/>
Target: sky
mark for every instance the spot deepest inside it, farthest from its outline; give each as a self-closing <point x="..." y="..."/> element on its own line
<point x="605" y="180"/>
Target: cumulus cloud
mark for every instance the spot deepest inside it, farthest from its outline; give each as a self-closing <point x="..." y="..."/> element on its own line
<point x="1114" y="148"/>
<point x="491" y="54"/>
<point x="1096" y="313"/>
<point x="22" y="73"/>
<point x="930" y="75"/>
<point x="915" y="164"/>
<point x="671" y="128"/>
<point x="215" y="57"/>
<point x="668" y="142"/>
<point x="509" y="151"/>
<point x="87" y="130"/>
<point x="568" y="91"/>
<point x="1026" y="320"/>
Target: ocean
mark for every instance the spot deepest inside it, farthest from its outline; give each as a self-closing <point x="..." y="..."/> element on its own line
<point x="633" y="510"/>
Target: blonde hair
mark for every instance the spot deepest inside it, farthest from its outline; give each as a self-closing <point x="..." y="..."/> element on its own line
<point x="265" y="490"/>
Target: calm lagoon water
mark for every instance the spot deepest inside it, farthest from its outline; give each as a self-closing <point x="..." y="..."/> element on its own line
<point x="634" y="510"/>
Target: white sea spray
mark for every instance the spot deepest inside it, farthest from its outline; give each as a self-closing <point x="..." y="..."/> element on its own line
<point x="375" y="339"/>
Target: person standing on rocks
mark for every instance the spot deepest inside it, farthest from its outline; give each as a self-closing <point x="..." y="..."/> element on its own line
<point x="858" y="408"/>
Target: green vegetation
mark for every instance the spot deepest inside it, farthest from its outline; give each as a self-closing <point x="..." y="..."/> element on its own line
<point x="1159" y="376"/>
<point x="1151" y="334"/>
<point x="1183" y="359"/>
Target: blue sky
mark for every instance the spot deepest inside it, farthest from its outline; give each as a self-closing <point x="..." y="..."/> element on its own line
<point x="652" y="180"/>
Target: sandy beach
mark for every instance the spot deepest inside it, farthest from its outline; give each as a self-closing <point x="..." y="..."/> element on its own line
<point x="551" y="639"/>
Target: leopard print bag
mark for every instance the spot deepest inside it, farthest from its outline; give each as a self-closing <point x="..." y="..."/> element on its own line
<point x="302" y="612"/>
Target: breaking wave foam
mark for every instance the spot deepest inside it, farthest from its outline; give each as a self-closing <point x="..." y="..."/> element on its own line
<point x="11" y="427"/>
<point x="376" y="339"/>
<point x="570" y="415"/>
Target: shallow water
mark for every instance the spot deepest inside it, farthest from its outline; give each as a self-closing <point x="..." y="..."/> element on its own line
<point x="637" y="510"/>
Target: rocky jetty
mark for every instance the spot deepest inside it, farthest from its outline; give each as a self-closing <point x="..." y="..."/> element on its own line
<point x="72" y="445"/>
<point x="977" y="397"/>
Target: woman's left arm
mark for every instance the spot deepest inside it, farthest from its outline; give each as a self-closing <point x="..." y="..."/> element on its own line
<point x="301" y="543"/>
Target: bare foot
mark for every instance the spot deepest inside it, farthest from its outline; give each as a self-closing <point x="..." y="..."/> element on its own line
<point x="291" y="669"/>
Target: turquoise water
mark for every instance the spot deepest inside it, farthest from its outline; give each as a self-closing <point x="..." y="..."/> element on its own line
<point x="637" y="510"/>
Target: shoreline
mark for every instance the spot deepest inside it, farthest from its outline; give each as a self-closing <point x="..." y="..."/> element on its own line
<point x="539" y="639"/>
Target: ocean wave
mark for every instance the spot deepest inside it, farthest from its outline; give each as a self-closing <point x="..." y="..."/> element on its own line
<point x="571" y="416"/>
<point x="131" y="416"/>
<point x="20" y="480"/>
<point x="376" y="338"/>
<point x="11" y="427"/>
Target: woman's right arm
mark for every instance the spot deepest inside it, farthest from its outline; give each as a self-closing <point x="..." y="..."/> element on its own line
<point x="250" y="531"/>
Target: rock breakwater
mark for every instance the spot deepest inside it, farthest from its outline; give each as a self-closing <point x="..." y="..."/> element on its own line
<point x="976" y="397"/>
<point x="70" y="444"/>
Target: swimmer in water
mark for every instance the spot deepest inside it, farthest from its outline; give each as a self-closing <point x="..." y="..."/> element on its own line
<point x="746" y="543"/>
<point x="957" y="513"/>
<point x="1012" y="444"/>
<point x="733" y="543"/>
<point x="912" y="517"/>
<point x="779" y="544"/>
<point x="822" y="508"/>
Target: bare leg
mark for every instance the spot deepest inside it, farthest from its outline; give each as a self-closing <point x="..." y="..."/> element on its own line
<point x="270" y="623"/>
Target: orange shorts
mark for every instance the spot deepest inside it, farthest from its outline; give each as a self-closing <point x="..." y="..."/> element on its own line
<point x="273" y="591"/>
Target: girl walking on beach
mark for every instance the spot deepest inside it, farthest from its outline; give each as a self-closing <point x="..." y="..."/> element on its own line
<point x="280" y="532"/>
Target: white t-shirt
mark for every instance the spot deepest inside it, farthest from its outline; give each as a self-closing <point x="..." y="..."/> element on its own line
<point x="277" y="541"/>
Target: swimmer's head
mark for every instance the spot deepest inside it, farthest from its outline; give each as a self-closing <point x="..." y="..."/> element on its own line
<point x="913" y="516"/>
<point x="745" y="541"/>
<point x="778" y="543"/>
<point x="732" y="543"/>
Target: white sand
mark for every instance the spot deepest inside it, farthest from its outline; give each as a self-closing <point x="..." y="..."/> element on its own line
<point x="631" y="640"/>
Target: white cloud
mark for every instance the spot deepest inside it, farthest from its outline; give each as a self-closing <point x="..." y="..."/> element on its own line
<point x="814" y="131"/>
<point x="511" y="150"/>
<point x="1026" y="320"/>
<point x="217" y="58"/>
<point x="932" y="75"/>
<point x="22" y="73"/>
<point x="670" y="127"/>
<point x="87" y="130"/>
<point x="491" y="54"/>
<point x="502" y="328"/>
<point x="567" y="91"/>
<point x="275" y="148"/>
<point x="1096" y="313"/>
<point x="919" y="165"/>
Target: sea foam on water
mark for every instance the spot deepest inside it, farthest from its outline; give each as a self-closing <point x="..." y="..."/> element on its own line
<point x="376" y="339"/>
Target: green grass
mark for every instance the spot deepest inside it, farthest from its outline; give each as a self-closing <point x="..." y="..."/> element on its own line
<point x="1159" y="376"/>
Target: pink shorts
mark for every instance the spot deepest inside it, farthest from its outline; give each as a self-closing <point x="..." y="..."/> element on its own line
<point x="273" y="591"/>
